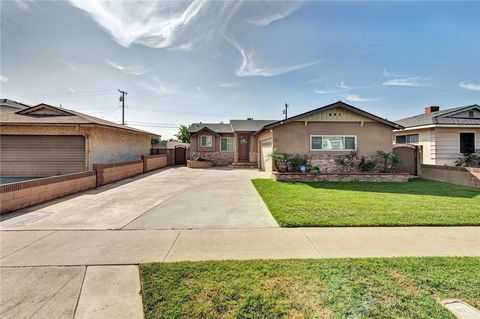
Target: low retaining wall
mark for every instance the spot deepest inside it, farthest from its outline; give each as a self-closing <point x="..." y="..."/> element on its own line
<point x="340" y="177"/>
<point x="200" y="164"/>
<point x="466" y="176"/>
<point x="108" y="173"/>
<point x="23" y="194"/>
<point x="19" y="195"/>
<point x="153" y="162"/>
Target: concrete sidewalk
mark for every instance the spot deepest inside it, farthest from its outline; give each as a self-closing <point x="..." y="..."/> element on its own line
<point x="123" y="247"/>
<point x="94" y="274"/>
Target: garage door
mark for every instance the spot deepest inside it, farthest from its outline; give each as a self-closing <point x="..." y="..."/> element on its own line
<point x="265" y="160"/>
<point x="41" y="155"/>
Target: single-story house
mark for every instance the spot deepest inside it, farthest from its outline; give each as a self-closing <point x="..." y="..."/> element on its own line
<point x="45" y="140"/>
<point x="445" y="135"/>
<point x="323" y="133"/>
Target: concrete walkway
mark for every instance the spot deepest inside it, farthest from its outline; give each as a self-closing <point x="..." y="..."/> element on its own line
<point x="86" y="274"/>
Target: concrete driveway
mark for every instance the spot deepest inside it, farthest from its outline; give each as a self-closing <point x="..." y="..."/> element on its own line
<point x="174" y="198"/>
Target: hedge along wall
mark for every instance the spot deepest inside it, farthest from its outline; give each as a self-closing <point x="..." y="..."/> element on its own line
<point x="466" y="176"/>
<point x="23" y="194"/>
<point x="153" y="162"/>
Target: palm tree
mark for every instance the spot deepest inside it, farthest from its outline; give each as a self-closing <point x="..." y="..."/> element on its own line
<point x="183" y="135"/>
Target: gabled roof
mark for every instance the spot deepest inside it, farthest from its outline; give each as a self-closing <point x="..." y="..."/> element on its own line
<point x="214" y="127"/>
<point x="249" y="125"/>
<point x="13" y="104"/>
<point x="332" y="106"/>
<point x="57" y="116"/>
<point x="43" y="109"/>
<point x="446" y="117"/>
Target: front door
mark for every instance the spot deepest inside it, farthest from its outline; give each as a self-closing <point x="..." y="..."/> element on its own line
<point x="243" y="146"/>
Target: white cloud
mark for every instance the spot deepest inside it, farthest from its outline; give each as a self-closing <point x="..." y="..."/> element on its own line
<point x="182" y="26"/>
<point x="227" y="84"/>
<point x="470" y="86"/>
<point x="280" y="14"/>
<point x="133" y="70"/>
<point x="413" y="81"/>
<point x="342" y="85"/>
<point x="22" y="4"/>
<point x="319" y="91"/>
<point x="389" y="74"/>
<point x="4" y="78"/>
<point x="71" y="66"/>
<point x="70" y="89"/>
<point x="250" y="67"/>
<point x="356" y="98"/>
<point x="157" y="89"/>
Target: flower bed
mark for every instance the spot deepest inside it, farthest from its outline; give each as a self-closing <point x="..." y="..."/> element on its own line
<point x="340" y="177"/>
<point x="199" y="164"/>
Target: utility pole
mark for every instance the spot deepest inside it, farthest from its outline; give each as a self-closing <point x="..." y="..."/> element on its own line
<point x="286" y="111"/>
<point x="122" y="99"/>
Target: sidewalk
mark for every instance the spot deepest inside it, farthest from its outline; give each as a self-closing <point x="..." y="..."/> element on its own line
<point x="123" y="247"/>
<point x="85" y="274"/>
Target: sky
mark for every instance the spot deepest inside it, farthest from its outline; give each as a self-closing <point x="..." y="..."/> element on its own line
<point x="211" y="61"/>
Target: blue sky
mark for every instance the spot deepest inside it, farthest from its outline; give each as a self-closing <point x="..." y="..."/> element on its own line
<point x="183" y="62"/>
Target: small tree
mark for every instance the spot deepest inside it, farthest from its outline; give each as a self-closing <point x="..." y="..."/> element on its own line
<point x="389" y="160"/>
<point x="183" y="135"/>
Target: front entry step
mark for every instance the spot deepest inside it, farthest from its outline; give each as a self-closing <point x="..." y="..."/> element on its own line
<point x="243" y="165"/>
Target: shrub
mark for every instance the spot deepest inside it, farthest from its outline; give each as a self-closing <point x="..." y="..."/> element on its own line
<point x="296" y="161"/>
<point x="389" y="161"/>
<point x="469" y="160"/>
<point x="279" y="161"/>
<point x="367" y="165"/>
<point x="349" y="161"/>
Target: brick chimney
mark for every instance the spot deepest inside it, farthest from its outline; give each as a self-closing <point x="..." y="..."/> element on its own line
<point x="431" y="109"/>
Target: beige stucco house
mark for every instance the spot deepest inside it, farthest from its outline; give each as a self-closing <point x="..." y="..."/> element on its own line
<point x="444" y="135"/>
<point x="44" y="140"/>
<point x="323" y="133"/>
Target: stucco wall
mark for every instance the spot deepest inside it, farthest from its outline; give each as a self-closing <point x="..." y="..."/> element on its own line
<point x="294" y="137"/>
<point x="103" y="145"/>
<point x="110" y="146"/>
<point x="441" y="145"/>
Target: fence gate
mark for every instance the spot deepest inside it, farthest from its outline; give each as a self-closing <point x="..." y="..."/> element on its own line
<point x="409" y="154"/>
<point x="180" y="155"/>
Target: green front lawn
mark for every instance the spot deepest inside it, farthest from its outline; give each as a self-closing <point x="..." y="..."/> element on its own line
<point x="329" y="288"/>
<point x="417" y="202"/>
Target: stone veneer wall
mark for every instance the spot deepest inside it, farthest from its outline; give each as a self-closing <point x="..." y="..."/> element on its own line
<point x="339" y="177"/>
<point x="466" y="176"/>
<point x="219" y="158"/>
<point x="253" y="157"/>
<point x="326" y="163"/>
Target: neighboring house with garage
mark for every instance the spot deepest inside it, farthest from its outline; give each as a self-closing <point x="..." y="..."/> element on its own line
<point x="323" y="133"/>
<point x="445" y="135"/>
<point x="45" y="140"/>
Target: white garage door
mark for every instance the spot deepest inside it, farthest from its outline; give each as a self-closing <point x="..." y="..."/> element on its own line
<point x="265" y="160"/>
<point x="41" y="155"/>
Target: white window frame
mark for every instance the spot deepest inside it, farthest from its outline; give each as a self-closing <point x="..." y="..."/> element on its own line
<point x="327" y="150"/>
<point x="474" y="140"/>
<point x="207" y="136"/>
<point x="233" y="144"/>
